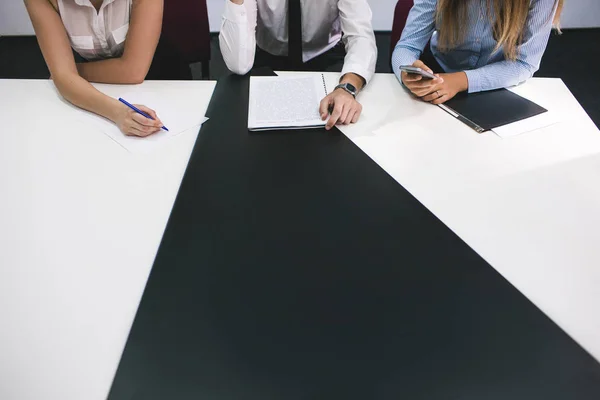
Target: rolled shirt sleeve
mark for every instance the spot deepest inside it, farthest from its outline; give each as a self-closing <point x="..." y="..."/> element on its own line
<point x="359" y="38"/>
<point x="237" y="38"/>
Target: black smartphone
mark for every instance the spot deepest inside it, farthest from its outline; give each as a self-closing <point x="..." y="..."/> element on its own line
<point x="409" y="69"/>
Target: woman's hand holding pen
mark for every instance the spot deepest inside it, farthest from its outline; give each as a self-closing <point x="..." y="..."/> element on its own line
<point x="133" y="124"/>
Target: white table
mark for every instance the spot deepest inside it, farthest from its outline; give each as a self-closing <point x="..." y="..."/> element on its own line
<point x="81" y="220"/>
<point x="529" y="205"/>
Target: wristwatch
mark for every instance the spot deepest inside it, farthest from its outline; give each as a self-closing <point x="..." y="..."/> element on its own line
<point x="348" y="88"/>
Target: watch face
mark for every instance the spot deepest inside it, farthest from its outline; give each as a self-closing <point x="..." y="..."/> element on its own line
<point x="351" y="87"/>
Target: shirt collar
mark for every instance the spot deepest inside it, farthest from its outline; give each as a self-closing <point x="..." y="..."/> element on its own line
<point x="87" y="3"/>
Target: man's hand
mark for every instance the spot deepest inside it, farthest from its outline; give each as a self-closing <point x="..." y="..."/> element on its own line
<point x="451" y="85"/>
<point x="344" y="108"/>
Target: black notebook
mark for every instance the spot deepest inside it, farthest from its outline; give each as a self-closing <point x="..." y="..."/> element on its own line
<point x="488" y="110"/>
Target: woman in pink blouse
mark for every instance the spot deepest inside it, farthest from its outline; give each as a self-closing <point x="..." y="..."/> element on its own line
<point x="116" y="39"/>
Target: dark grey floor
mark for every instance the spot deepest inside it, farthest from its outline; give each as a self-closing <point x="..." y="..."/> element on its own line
<point x="573" y="56"/>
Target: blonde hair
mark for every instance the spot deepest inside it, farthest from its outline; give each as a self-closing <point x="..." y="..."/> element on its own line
<point x="507" y="16"/>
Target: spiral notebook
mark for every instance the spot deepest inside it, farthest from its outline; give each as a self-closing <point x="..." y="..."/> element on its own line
<point x="286" y="102"/>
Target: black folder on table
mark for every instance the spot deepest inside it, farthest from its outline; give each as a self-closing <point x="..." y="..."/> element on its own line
<point x="484" y="111"/>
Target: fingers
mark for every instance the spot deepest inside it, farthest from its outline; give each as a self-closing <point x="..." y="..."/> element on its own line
<point x="424" y="83"/>
<point x="346" y="109"/>
<point x="140" y="130"/>
<point x="152" y="113"/>
<point x="353" y="115"/>
<point x="409" y="78"/>
<point x="350" y="117"/>
<point x="441" y="99"/>
<point x="350" y="113"/>
<point x="335" y="115"/>
<point x="420" y="92"/>
<point x="432" y="96"/>
<point x="421" y="64"/>
<point x="132" y="131"/>
<point x="141" y="120"/>
<point x="425" y="91"/>
<point x="425" y="86"/>
<point x="324" y="107"/>
<point x="344" y="116"/>
<point x="138" y="125"/>
<point x="416" y="83"/>
<point x="147" y="110"/>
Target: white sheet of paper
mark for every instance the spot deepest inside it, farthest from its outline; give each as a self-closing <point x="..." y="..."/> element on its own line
<point x="177" y="114"/>
<point x="180" y="109"/>
<point x="527" y="125"/>
<point x="551" y="117"/>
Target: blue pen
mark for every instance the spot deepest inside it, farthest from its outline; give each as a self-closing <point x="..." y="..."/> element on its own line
<point x="137" y="110"/>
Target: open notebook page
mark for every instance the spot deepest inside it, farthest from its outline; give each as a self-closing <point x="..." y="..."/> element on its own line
<point x="285" y="102"/>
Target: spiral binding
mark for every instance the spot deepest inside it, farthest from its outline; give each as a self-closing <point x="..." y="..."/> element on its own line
<point x="324" y="84"/>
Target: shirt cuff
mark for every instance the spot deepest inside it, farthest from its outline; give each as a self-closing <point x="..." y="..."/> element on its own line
<point x="235" y="12"/>
<point x="474" y="80"/>
<point x="359" y="70"/>
<point x="402" y="57"/>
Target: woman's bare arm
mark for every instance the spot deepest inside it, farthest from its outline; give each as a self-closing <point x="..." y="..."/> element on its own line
<point x="55" y="46"/>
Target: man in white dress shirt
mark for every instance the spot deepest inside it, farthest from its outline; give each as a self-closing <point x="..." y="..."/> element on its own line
<point x="308" y="37"/>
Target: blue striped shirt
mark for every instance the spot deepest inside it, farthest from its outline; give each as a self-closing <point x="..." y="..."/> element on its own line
<point x="485" y="69"/>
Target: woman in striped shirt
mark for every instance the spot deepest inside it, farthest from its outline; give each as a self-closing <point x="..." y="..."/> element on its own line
<point x="114" y="39"/>
<point x="477" y="44"/>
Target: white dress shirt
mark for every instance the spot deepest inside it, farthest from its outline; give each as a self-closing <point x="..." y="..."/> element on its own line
<point x="264" y="22"/>
<point x="95" y="34"/>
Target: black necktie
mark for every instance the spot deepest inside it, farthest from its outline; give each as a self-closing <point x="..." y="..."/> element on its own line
<point x="295" y="32"/>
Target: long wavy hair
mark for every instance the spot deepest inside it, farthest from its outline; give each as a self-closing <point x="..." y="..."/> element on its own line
<point x="507" y="16"/>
